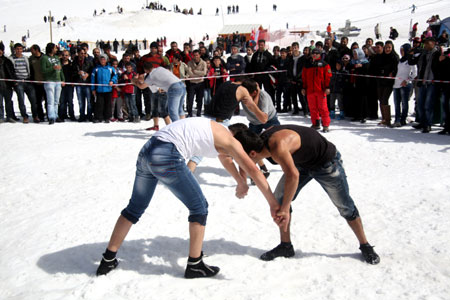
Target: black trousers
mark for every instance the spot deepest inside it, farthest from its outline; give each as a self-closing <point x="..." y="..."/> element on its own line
<point x="195" y="90"/>
<point x="103" y="106"/>
<point x="41" y="96"/>
<point x="296" y="91"/>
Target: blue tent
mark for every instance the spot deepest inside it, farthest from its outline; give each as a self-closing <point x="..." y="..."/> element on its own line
<point x="445" y="25"/>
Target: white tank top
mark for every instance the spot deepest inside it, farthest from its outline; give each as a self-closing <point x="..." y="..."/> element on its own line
<point x="191" y="137"/>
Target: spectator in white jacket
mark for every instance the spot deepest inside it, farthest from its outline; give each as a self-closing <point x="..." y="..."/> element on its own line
<point x="402" y="86"/>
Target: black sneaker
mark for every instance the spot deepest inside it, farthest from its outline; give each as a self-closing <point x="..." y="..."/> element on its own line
<point x="199" y="269"/>
<point x="107" y="266"/>
<point x="369" y="254"/>
<point x="280" y="250"/>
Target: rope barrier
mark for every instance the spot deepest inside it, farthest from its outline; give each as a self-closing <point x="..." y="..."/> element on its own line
<point x="229" y="75"/>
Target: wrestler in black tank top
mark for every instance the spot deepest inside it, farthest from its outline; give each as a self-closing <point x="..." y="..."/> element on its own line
<point x="314" y="151"/>
<point x="224" y="102"/>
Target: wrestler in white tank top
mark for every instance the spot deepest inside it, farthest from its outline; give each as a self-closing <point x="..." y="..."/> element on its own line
<point x="191" y="137"/>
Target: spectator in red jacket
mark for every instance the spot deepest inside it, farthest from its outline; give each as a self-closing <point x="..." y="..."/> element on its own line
<point x="216" y="69"/>
<point x="316" y="77"/>
<point x="172" y="51"/>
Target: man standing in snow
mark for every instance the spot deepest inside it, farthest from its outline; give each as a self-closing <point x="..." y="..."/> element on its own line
<point x="163" y="159"/>
<point x="303" y="155"/>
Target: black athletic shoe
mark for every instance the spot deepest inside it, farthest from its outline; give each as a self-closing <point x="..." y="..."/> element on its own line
<point x="199" y="269"/>
<point x="280" y="250"/>
<point x="369" y="254"/>
<point x="107" y="266"/>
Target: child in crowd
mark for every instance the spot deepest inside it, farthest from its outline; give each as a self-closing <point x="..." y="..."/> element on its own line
<point x="129" y="94"/>
<point x="117" y="101"/>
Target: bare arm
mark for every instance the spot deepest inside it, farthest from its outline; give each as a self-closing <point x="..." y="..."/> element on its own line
<point x="243" y="95"/>
<point x="242" y="187"/>
<point x="139" y="82"/>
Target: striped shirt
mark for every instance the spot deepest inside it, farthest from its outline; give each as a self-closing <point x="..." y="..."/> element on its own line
<point x="21" y="67"/>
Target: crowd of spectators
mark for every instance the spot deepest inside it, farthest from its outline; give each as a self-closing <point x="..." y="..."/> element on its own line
<point x="325" y="81"/>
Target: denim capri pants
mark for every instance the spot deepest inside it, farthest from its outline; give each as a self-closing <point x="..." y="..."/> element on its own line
<point x="161" y="161"/>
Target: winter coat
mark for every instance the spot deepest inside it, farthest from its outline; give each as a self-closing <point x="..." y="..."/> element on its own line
<point x="50" y="74"/>
<point x="282" y="64"/>
<point x="36" y="70"/>
<point x="232" y="61"/>
<point x="427" y="62"/>
<point x="170" y="53"/>
<point x="6" y="72"/>
<point x="214" y="82"/>
<point x="197" y="70"/>
<point x="301" y="62"/>
<point x="316" y="76"/>
<point x="404" y="72"/>
<point x="129" y="88"/>
<point x="86" y="65"/>
<point x="261" y="61"/>
<point x="68" y="72"/>
<point x="103" y="75"/>
<point x="182" y="69"/>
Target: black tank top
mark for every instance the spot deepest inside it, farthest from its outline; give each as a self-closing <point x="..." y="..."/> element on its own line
<point x="224" y="102"/>
<point x="314" y="151"/>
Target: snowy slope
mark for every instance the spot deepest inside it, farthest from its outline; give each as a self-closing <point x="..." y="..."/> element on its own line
<point x="63" y="186"/>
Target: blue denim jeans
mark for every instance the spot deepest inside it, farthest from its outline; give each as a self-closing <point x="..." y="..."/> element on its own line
<point x="207" y="96"/>
<point x="53" y="92"/>
<point x="331" y="176"/>
<point x="131" y="104"/>
<point x="401" y="98"/>
<point x="26" y="88"/>
<point x="427" y="95"/>
<point x="258" y="128"/>
<point x="159" y="105"/>
<point x="161" y="161"/>
<point x="175" y="100"/>
<point x="84" y="97"/>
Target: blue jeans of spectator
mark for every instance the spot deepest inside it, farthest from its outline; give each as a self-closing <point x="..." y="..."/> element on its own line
<point x="207" y="96"/>
<point x="131" y="104"/>
<point x="401" y="98"/>
<point x="159" y="105"/>
<point x="6" y="94"/>
<point x="160" y="161"/>
<point x="258" y="128"/>
<point x="331" y="176"/>
<point x="427" y="95"/>
<point x="26" y="88"/>
<point x="84" y="97"/>
<point x="53" y="92"/>
<point x="66" y="102"/>
<point x="175" y="100"/>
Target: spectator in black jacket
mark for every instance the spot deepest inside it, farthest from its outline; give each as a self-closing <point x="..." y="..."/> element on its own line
<point x="283" y="84"/>
<point x="82" y="68"/>
<point x="66" y="99"/>
<point x="442" y="73"/>
<point x="235" y="63"/>
<point x="297" y="62"/>
<point x="427" y="62"/>
<point x="261" y="61"/>
<point x="6" y="72"/>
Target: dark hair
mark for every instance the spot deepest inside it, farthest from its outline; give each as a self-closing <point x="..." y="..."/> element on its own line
<point x="126" y="54"/>
<point x="295" y="44"/>
<point x="235" y="128"/>
<point x="49" y="48"/>
<point x="389" y="42"/>
<point x="249" y="141"/>
<point x="283" y="50"/>
<point x="84" y="45"/>
<point x="17" y="45"/>
<point x="319" y="44"/>
<point x="128" y="64"/>
<point x="106" y="47"/>
<point x="113" y="60"/>
<point x="36" y="48"/>
<point x="344" y="38"/>
<point x="261" y="41"/>
<point x="217" y="57"/>
<point x="177" y="56"/>
<point x="276" y="48"/>
<point x="148" y="66"/>
<point x="369" y="39"/>
<point x="250" y="85"/>
<point x="195" y="51"/>
<point x="379" y="43"/>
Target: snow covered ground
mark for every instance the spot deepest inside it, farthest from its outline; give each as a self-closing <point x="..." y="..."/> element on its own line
<point x="62" y="188"/>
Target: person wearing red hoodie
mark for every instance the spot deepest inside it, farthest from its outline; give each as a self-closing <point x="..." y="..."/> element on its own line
<point x="316" y="77"/>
